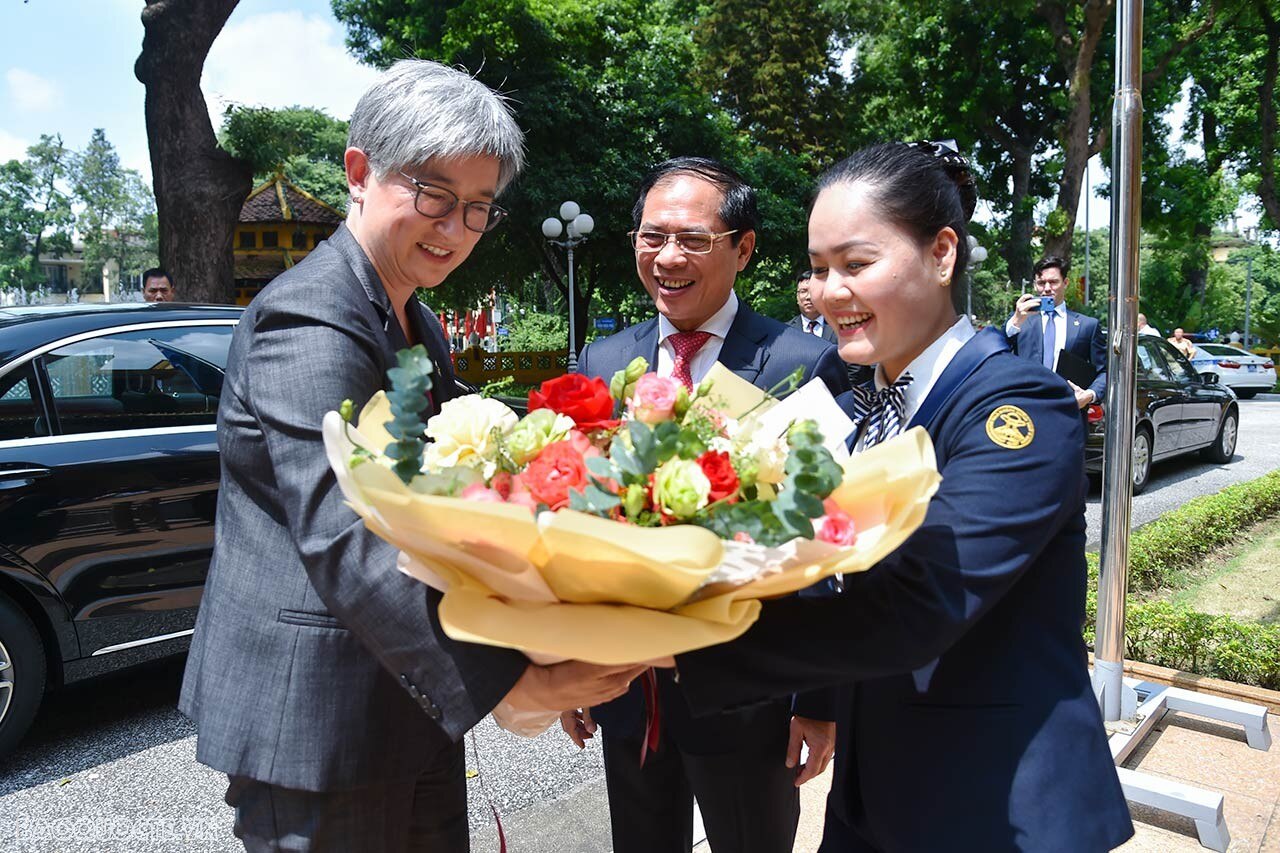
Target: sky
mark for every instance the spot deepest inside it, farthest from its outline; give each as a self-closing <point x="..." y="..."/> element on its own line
<point x="68" y="68"/>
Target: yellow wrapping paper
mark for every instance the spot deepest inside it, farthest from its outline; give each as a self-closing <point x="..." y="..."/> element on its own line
<point x="571" y="585"/>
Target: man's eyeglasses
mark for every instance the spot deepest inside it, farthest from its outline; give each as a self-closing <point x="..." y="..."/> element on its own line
<point x="436" y="202"/>
<point x="689" y="242"/>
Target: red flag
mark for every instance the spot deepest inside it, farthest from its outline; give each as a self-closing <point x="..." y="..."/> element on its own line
<point x="482" y="322"/>
<point x="444" y="323"/>
<point x="468" y="325"/>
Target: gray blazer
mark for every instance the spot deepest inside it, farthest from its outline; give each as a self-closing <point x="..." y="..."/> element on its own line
<point x="315" y="664"/>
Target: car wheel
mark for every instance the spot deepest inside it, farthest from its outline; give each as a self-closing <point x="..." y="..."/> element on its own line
<point x="22" y="674"/>
<point x="1246" y="394"/>
<point x="1224" y="447"/>
<point x="1141" y="459"/>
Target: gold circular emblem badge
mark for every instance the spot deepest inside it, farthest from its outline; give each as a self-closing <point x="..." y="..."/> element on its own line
<point x="1009" y="426"/>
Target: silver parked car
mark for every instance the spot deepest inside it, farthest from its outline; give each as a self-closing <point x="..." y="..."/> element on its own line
<point x="1241" y="371"/>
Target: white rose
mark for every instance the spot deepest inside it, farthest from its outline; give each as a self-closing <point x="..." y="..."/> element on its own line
<point x="462" y="433"/>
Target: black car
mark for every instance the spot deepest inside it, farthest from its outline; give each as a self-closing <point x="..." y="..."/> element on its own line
<point x="1179" y="411"/>
<point x="108" y="480"/>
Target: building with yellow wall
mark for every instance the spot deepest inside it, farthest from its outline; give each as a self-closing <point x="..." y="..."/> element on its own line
<point x="280" y="224"/>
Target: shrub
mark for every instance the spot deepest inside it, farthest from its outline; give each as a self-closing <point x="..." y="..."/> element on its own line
<point x="1179" y="539"/>
<point x="1163" y="634"/>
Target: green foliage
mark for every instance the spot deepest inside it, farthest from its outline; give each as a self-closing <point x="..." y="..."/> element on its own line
<point x="116" y="215"/>
<point x="1176" y="636"/>
<point x="1218" y="646"/>
<point x="35" y="211"/>
<point x="410" y="383"/>
<point x="772" y="64"/>
<point x="304" y="144"/>
<point x="533" y="331"/>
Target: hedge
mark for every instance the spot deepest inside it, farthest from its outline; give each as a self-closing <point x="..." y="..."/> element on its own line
<point x="1181" y="538"/>
<point x="1176" y="636"/>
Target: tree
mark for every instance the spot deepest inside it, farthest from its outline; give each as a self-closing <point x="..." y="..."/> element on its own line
<point x="772" y="64"/>
<point x="35" y="211"/>
<point x="116" y="211"/>
<point x="302" y="143"/>
<point x="199" y="187"/>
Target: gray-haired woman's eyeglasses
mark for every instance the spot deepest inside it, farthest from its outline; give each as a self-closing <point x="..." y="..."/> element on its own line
<point x="436" y="202"/>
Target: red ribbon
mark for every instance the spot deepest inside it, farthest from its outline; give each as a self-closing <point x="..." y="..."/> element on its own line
<point x="652" y="714"/>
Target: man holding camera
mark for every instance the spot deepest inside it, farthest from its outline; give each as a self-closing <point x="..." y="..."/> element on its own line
<point x="1056" y="328"/>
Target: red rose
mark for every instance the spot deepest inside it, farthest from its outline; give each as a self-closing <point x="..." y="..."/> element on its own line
<point x="719" y="470"/>
<point x="559" y="469"/>
<point x="585" y="400"/>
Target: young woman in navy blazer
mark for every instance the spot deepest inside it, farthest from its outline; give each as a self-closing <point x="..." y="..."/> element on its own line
<point x="970" y="724"/>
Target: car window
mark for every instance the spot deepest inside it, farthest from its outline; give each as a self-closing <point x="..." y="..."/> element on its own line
<point x="139" y="379"/>
<point x="1150" y="365"/>
<point x="1179" y="368"/>
<point x="20" y="412"/>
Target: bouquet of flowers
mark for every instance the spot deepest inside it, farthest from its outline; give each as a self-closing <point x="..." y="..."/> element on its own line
<point x="618" y="522"/>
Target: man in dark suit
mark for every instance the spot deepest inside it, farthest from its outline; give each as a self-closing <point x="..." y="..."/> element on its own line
<point x="696" y="225"/>
<point x="319" y="677"/>
<point x="810" y="319"/>
<point x="1076" y="333"/>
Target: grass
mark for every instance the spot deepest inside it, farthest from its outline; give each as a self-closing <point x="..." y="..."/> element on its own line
<point x="1241" y="581"/>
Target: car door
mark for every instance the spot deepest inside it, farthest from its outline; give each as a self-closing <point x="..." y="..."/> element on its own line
<point x="118" y="510"/>
<point x="1201" y="406"/>
<point x="1159" y="397"/>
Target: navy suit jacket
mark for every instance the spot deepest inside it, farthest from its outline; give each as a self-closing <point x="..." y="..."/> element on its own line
<point x="316" y="664"/>
<point x="1084" y="340"/>
<point x="971" y="722"/>
<point x="762" y="351"/>
<point x="828" y="333"/>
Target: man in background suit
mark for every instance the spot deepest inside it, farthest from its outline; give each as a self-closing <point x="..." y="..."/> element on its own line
<point x="811" y="322"/>
<point x="1076" y="333"/>
<point x="810" y="319"/>
<point x="696" y="223"/>
<point x="319" y="677"/>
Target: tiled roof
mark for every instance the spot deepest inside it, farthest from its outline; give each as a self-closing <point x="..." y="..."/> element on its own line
<point x="264" y="204"/>
<point x="259" y="267"/>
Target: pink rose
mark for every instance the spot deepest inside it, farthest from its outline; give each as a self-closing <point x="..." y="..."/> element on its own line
<point x="654" y="399"/>
<point x="836" y="526"/>
<point x="481" y="492"/>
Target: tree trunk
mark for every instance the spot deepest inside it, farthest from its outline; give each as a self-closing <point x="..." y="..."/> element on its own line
<point x="1077" y="141"/>
<point x="199" y="187"/>
<point x="1018" y="250"/>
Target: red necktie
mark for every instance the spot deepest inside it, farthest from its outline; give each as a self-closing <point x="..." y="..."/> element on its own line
<point x="813" y="326"/>
<point x="686" y="346"/>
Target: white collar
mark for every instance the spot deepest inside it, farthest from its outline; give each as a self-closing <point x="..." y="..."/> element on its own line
<point x="717" y="324"/>
<point x="928" y="365"/>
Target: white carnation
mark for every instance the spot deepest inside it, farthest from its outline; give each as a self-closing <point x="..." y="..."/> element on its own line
<point x="463" y="433"/>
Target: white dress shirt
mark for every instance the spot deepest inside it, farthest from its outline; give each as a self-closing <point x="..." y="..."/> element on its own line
<point x="928" y="366"/>
<point x="819" y="328"/>
<point x="717" y="324"/>
<point x="1059" y="317"/>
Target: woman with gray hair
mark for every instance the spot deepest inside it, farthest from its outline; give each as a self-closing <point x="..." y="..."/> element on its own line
<point x="319" y="677"/>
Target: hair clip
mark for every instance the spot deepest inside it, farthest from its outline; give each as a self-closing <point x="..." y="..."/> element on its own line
<point x="948" y="155"/>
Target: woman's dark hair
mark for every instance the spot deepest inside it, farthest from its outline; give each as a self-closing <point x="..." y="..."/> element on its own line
<point x="922" y="188"/>
<point x="738" y="200"/>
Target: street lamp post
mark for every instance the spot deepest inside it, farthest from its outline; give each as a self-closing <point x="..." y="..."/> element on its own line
<point x="576" y="226"/>
<point x="1249" y="234"/>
